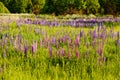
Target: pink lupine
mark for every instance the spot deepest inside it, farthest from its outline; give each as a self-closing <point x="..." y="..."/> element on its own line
<point x="34" y="47"/>
<point x="63" y="52"/>
<point x="25" y="50"/>
<point x="50" y="51"/>
<point x="99" y="50"/>
<point x="69" y="55"/>
<point x="77" y="40"/>
<point x="77" y="54"/>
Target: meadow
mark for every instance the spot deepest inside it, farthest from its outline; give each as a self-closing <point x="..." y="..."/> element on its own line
<point x="59" y="49"/>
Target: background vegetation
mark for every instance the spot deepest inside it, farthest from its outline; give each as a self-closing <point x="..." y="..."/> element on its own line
<point x="63" y="6"/>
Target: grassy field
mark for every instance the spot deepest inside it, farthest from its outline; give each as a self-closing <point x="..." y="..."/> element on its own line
<point x="33" y="52"/>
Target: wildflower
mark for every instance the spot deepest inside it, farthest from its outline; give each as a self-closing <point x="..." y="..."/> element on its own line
<point x="99" y="51"/>
<point x="81" y="33"/>
<point x="50" y="51"/>
<point x="25" y="50"/>
<point x="77" y="40"/>
<point x="34" y="47"/>
<point x="77" y="54"/>
<point x="94" y="34"/>
<point x="63" y="52"/>
<point x="69" y="55"/>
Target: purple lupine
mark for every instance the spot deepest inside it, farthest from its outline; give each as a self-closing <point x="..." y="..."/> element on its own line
<point x="94" y="42"/>
<point x="63" y="39"/>
<point x="77" y="40"/>
<point x="94" y="34"/>
<point x="25" y="50"/>
<point x="69" y="55"/>
<point x="53" y="40"/>
<point x="77" y="54"/>
<point x="56" y="45"/>
<point x="63" y="52"/>
<point x="50" y="51"/>
<point x="99" y="51"/>
<point x="34" y="47"/>
<point x="81" y="33"/>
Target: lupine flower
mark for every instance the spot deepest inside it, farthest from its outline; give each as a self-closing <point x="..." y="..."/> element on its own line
<point x="69" y="55"/>
<point x="50" y="51"/>
<point x="94" y="42"/>
<point x="77" y="40"/>
<point x="94" y="34"/>
<point x="77" y="54"/>
<point x="56" y="45"/>
<point x="53" y="40"/>
<point x="81" y="33"/>
<point x="25" y="50"/>
<point x="34" y="47"/>
<point x="99" y="51"/>
<point x="63" y="52"/>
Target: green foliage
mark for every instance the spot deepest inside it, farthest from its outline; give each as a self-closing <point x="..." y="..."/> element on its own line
<point x="3" y="9"/>
<point x="63" y="6"/>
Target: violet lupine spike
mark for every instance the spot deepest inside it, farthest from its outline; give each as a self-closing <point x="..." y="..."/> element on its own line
<point x="25" y="50"/>
<point x="94" y="43"/>
<point x="56" y="45"/>
<point x="77" y="40"/>
<point x="77" y="54"/>
<point x="69" y="55"/>
<point x="94" y="34"/>
<point x="63" y="52"/>
<point x="50" y="51"/>
<point x="34" y="47"/>
<point x="99" y="51"/>
<point x="53" y="40"/>
<point x="81" y="33"/>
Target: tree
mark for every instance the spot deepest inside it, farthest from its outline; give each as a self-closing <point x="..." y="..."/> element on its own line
<point x="92" y="6"/>
<point x="3" y="9"/>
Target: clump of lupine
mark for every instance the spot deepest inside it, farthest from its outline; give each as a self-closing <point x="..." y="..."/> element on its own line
<point x="74" y="22"/>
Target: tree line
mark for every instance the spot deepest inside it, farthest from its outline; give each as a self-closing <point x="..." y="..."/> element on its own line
<point x="63" y="6"/>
